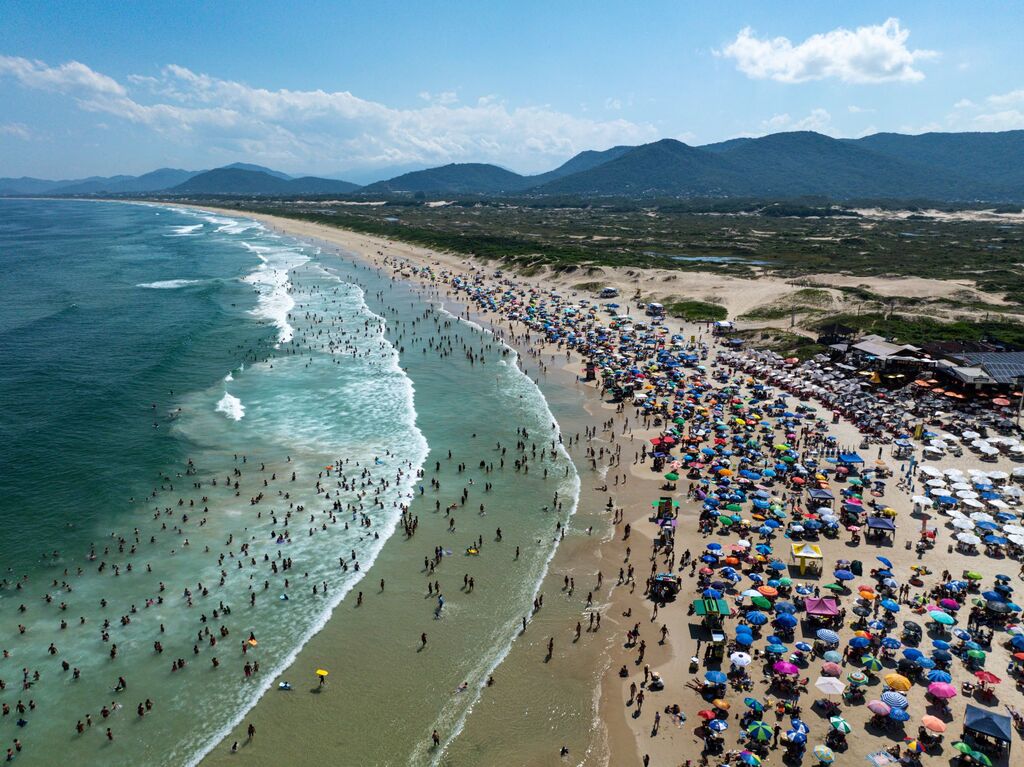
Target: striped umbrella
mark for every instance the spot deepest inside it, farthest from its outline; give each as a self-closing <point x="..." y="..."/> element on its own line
<point x="895" y="699"/>
<point x="840" y="725"/>
<point x="871" y="663"/>
<point x="760" y="731"/>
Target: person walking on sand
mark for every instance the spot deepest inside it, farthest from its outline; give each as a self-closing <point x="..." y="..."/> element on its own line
<point x="436" y="738"/>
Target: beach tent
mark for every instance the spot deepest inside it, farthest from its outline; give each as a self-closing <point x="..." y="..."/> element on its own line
<point x="823" y="496"/>
<point x="824" y="607"/>
<point x="850" y="458"/>
<point x="982" y="721"/>
<point x="711" y="607"/>
<point x="807" y="555"/>
<point x="881" y="526"/>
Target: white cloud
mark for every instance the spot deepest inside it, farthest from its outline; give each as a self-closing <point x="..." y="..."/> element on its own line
<point x="856" y="110"/>
<point x="336" y="129"/>
<point x="873" y="54"/>
<point x="614" y="104"/>
<point x="964" y="104"/>
<point x="818" y="120"/>
<point x="998" y="112"/>
<point x="1004" y="99"/>
<point x="17" y="130"/>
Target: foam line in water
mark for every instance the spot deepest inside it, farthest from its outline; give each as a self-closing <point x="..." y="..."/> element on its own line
<point x="167" y="284"/>
<point x="231" y="406"/>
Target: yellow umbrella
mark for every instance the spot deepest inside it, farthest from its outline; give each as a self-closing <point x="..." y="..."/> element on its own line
<point x="898" y="682"/>
<point x="322" y="672"/>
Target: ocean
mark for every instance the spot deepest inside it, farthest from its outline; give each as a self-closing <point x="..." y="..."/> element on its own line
<point x="209" y="434"/>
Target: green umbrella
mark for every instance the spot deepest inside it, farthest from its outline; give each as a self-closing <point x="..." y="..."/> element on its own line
<point x="834" y="587"/>
<point x="840" y="725"/>
<point x="671" y="476"/>
<point x="734" y="507"/>
<point x="788" y="458"/>
<point x="981" y="758"/>
<point x="858" y="677"/>
<point x="940" y="617"/>
<point x="971" y="575"/>
<point x="785" y="581"/>
<point x="962" y="747"/>
<point x="761" y="731"/>
<point x="680" y="421"/>
<point x="725" y="520"/>
<point x="855" y="481"/>
<point x="871" y="663"/>
<point x="976" y="654"/>
<point x="763" y="602"/>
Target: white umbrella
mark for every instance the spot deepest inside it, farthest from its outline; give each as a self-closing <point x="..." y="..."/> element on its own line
<point x="740" y="659"/>
<point x="936" y="483"/>
<point x="997" y="504"/>
<point x="966" y="494"/>
<point x="922" y="499"/>
<point x="999" y="475"/>
<point x="954" y="472"/>
<point x="961" y="486"/>
<point x="1019" y="472"/>
<point x="973" y="503"/>
<point x="969" y="538"/>
<point x="963" y="524"/>
<point x="1013" y="529"/>
<point x="970" y="435"/>
<point x="830" y="685"/>
<point x="931" y="471"/>
<point x="981" y="516"/>
<point x="1016" y="539"/>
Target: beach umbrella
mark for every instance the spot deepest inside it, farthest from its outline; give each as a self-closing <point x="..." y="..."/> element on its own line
<point x="785" y="668"/>
<point x="748" y="757"/>
<point x="760" y="731"/>
<point x="871" y="663"/>
<point x="891" y="643"/>
<point x="899" y="715"/>
<point x="942" y="690"/>
<point x="890" y="605"/>
<point x="743" y="640"/>
<point x="857" y="677"/>
<point x="860" y="643"/>
<point x="831" y="669"/>
<point x="885" y="562"/>
<point x="786" y="608"/>
<point x="940" y="617"/>
<point x="322" y="672"/>
<point x="878" y="707"/>
<point x="962" y="747"/>
<point x="897" y="682"/>
<point x="933" y="723"/>
<point x="720" y="703"/>
<point x="828" y="636"/>
<point x="830" y="685"/>
<point x="912" y="653"/>
<point x="914" y="745"/>
<point x="843" y="575"/>
<point x="799" y="725"/>
<point x="796" y="737"/>
<point x="840" y="725"/>
<point x="756" y="618"/>
<point x="987" y="677"/>
<point x="824" y="754"/>
<point x="803" y="647"/>
<point x="937" y="675"/>
<point x="981" y="758"/>
<point x="976" y="654"/>
<point x="762" y="602"/>
<point x="895" y="699"/>
<point x="753" y="704"/>
<point x="716" y="677"/>
<point x="718" y="725"/>
<point x="832" y="656"/>
<point x="740" y="659"/>
<point x="707" y="714"/>
<point x="943" y="656"/>
<point x="786" y="621"/>
<point x="671" y="476"/>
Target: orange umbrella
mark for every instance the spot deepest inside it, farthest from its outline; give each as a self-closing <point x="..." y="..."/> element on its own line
<point x="933" y="723"/>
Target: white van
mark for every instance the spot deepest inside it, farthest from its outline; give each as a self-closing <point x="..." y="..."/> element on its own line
<point x="609" y="292"/>
<point x="655" y="310"/>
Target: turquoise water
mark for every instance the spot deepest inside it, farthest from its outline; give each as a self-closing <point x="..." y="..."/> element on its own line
<point x="136" y="339"/>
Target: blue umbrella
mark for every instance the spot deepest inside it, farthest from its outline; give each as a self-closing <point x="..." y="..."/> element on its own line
<point x="714" y="547"/>
<point x="743" y="629"/>
<point x="890" y="605"/>
<point x="718" y="725"/>
<point x="744" y="640"/>
<point x="912" y="653"/>
<point x="800" y="726"/>
<point x="891" y="643"/>
<point x="795" y="736"/>
<point x="993" y="596"/>
<point x="776" y="649"/>
<point x="925" y="662"/>
<point x="972" y="645"/>
<point x="832" y="656"/>
<point x="885" y="562"/>
<point x="709" y="559"/>
<point x="786" y="621"/>
<point x="939" y="676"/>
<point x="777" y="565"/>
<point x="712" y="594"/>
<point x="860" y="642"/>
<point x="895" y="699"/>
<point x="828" y="636"/>
<point x="942" y="655"/>
<point x="803" y="647"/>
<point x="843" y="575"/>
<point x="756" y="618"/>
<point x="876" y="625"/>
<point x="899" y="715"/>
<point x="940" y="644"/>
<point x="763" y="548"/>
<point x="716" y="677"/>
<point x="785" y="607"/>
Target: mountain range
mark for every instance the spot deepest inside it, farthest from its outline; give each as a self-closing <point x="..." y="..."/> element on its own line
<point x="931" y="166"/>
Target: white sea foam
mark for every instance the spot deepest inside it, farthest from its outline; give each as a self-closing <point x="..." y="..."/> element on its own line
<point x="231" y="406"/>
<point x="189" y="230"/>
<point x="167" y="284"/>
<point x="271" y="281"/>
<point x="229" y="377"/>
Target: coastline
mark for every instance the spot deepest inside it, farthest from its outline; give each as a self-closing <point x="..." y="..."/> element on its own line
<point x="612" y="741"/>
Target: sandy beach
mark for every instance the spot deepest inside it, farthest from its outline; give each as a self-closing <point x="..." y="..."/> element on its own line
<point x="620" y="733"/>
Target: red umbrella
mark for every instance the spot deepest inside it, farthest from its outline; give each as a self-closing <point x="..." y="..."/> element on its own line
<point x="706" y="714"/>
<point x="987" y="677"/>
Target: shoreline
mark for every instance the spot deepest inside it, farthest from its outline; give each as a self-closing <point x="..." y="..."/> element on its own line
<point x="617" y="739"/>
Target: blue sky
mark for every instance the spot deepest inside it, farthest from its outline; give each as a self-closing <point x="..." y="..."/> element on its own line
<point x="356" y="88"/>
